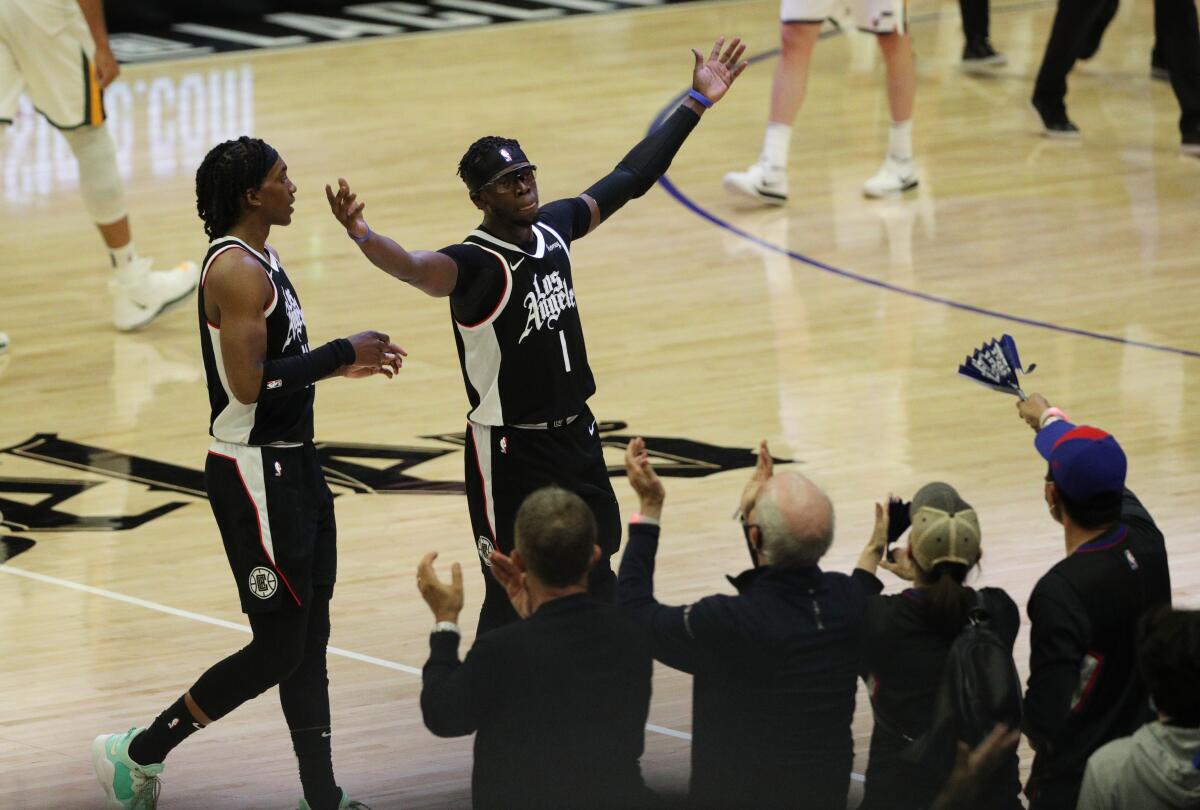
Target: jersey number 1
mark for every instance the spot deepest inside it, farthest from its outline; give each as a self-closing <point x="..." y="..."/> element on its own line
<point x="562" y="338"/>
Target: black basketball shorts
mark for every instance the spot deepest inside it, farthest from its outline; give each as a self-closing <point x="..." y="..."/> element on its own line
<point x="275" y="514"/>
<point x="505" y="464"/>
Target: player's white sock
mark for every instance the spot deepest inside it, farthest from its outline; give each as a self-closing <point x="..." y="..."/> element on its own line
<point x="900" y="140"/>
<point x="126" y="265"/>
<point x="776" y="142"/>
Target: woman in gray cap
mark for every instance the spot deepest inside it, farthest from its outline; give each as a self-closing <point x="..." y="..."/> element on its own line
<point x="907" y="638"/>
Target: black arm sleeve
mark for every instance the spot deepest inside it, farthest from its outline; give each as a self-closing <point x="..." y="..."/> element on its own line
<point x="649" y="160"/>
<point x="286" y="375"/>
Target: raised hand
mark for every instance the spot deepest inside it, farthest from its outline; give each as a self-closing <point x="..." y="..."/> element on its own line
<point x="643" y="478"/>
<point x="1031" y="409"/>
<point x="713" y="76"/>
<point x="446" y="601"/>
<point x="512" y="579"/>
<point x="763" y="470"/>
<point x="347" y="208"/>
<point x="374" y="354"/>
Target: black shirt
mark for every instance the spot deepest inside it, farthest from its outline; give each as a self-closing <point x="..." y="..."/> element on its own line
<point x="902" y="662"/>
<point x="1084" y="688"/>
<point x="516" y="321"/>
<point x="775" y="674"/>
<point x="558" y="703"/>
<point x="283" y="419"/>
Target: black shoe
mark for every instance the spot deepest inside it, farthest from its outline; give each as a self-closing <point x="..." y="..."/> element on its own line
<point x="1055" y="123"/>
<point x="1158" y="67"/>
<point x="979" y="55"/>
<point x="1191" y="143"/>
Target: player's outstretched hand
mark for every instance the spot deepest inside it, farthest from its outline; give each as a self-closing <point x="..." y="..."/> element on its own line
<point x="347" y="208"/>
<point x="446" y="601"/>
<point x="374" y="354"/>
<point x="713" y="76"/>
<point x="512" y="579"/>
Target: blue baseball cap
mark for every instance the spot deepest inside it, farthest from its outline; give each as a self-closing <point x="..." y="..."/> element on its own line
<point x="1084" y="460"/>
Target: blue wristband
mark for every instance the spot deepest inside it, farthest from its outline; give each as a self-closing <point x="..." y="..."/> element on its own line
<point x="698" y="96"/>
<point x="360" y="239"/>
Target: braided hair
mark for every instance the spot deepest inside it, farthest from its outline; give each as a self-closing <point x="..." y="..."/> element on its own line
<point x="228" y="171"/>
<point x="471" y="163"/>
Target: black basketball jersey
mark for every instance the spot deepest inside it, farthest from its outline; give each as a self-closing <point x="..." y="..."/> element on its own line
<point x="285" y="419"/>
<point x="516" y="322"/>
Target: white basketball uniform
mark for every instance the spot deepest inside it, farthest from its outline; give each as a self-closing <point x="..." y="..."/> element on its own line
<point x="46" y="50"/>
<point x="872" y="16"/>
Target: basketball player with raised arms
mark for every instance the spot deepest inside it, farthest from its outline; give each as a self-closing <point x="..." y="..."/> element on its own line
<point x="264" y="480"/>
<point x="517" y="326"/>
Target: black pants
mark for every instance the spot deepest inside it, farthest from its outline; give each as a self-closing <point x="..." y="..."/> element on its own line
<point x="974" y="19"/>
<point x="506" y="464"/>
<point x="1075" y="34"/>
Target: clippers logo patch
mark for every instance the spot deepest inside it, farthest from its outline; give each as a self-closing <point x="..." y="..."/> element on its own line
<point x="486" y="547"/>
<point x="263" y="582"/>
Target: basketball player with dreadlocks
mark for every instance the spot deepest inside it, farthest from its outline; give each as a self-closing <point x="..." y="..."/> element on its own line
<point x="517" y="327"/>
<point x="264" y="480"/>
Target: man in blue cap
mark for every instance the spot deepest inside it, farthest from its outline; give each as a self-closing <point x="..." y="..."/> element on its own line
<point x="1084" y="689"/>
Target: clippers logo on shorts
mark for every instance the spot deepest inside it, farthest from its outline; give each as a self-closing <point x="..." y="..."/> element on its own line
<point x="546" y="302"/>
<point x="263" y="582"/>
<point x="486" y="547"/>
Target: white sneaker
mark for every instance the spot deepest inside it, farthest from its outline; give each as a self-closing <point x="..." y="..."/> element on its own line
<point x="151" y="293"/>
<point x="3" y="342"/>
<point x="759" y="182"/>
<point x="893" y="177"/>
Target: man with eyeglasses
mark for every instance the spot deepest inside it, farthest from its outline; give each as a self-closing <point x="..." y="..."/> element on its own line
<point x="517" y="327"/>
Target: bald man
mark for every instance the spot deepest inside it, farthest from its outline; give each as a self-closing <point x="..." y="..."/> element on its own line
<point x="774" y="666"/>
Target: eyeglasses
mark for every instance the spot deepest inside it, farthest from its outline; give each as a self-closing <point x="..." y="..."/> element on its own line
<point x="507" y="183"/>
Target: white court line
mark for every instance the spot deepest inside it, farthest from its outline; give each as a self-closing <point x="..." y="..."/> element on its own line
<point x="241" y="628"/>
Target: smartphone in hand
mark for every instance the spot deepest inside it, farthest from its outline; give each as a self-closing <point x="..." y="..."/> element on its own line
<point x="898" y="523"/>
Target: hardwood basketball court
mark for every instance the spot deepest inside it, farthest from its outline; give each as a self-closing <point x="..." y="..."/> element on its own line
<point x="832" y="327"/>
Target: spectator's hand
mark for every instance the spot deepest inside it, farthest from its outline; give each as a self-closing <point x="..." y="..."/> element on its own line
<point x="446" y="601"/>
<point x="973" y="768"/>
<point x="512" y="579"/>
<point x="644" y="479"/>
<point x="903" y="567"/>
<point x="877" y="544"/>
<point x="763" y="470"/>
<point x="1031" y="409"/>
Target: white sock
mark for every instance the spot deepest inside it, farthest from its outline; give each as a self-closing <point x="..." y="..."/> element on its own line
<point x="900" y="140"/>
<point x="776" y="142"/>
<point x="124" y="260"/>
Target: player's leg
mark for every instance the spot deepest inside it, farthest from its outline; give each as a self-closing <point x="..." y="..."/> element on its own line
<point x="978" y="53"/>
<point x="274" y="587"/>
<point x="57" y="66"/>
<point x="1074" y="24"/>
<point x="583" y="470"/>
<point x="899" y="171"/>
<point x="1179" y="39"/>
<point x="800" y="26"/>
<point x="490" y="493"/>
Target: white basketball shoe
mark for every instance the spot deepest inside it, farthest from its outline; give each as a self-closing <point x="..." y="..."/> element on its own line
<point x="894" y="176"/>
<point x="140" y="294"/>
<point x="3" y="342"/>
<point x="766" y="184"/>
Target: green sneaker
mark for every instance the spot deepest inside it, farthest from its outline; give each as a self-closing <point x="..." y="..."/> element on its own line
<point x="343" y="804"/>
<point x="128" y="785"/>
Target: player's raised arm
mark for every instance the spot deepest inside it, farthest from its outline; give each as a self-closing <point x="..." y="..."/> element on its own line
<point x="432" y="273"/>
<point x="639" y="170"/>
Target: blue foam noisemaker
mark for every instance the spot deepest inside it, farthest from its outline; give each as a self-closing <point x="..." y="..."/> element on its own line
<point x="996" y="365"/>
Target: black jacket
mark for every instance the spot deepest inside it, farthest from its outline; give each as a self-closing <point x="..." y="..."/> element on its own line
<point x="559" y="704"/>
<point x="1084" y="688"/>
<point x="775" y="670"/>
<point x="903" y="659"/>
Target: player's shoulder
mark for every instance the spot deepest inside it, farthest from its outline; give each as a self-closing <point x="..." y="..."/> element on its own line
<point x="235" y="270"/>
<point x="561" y="215"/>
